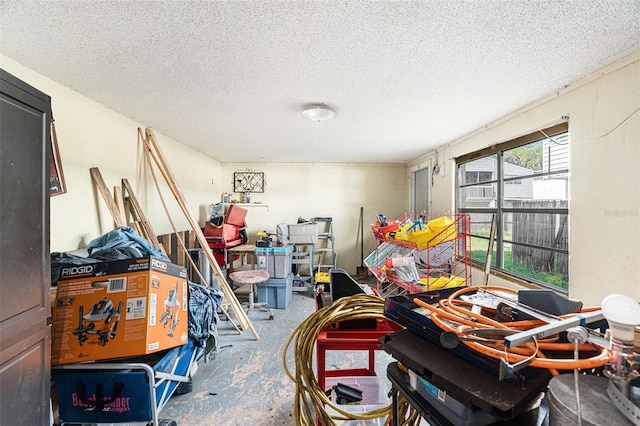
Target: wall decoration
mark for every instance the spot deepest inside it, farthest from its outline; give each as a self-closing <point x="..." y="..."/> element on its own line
<point x="245" y="181"/>
<point x="57" y="184"/>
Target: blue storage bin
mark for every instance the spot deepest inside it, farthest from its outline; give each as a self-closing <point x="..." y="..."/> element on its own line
<point x="276" y="292"/>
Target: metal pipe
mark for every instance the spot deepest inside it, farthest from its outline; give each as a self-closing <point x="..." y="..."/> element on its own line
<point x="553" y="328"/>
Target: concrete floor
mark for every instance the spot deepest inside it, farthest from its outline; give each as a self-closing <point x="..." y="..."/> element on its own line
<point x="245" y="385"/>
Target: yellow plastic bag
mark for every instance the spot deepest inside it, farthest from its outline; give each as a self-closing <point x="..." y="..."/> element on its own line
<point x="421" y="238"/>
<point x="437" y="231"/>
<point x="402" y="233"/>
<point x="443" y="282"/>
<point x="441" y="224"/>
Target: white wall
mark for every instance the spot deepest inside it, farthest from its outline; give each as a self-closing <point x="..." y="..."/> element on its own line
<point x="604" y="128"/>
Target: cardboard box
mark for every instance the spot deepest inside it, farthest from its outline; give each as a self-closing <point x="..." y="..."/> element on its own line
<point x="119" y="309"/>
<point x="303" y="233"/>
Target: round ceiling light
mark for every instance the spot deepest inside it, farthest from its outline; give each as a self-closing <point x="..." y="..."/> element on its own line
<point x="318" y="112"/>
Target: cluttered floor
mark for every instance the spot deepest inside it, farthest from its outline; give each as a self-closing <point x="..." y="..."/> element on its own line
<point x="245" y="384"/>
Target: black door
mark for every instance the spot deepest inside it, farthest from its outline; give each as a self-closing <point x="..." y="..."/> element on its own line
<point x="24" y="254"/>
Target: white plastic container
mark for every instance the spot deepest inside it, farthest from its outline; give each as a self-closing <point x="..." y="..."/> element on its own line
<point x="375" y="392"/>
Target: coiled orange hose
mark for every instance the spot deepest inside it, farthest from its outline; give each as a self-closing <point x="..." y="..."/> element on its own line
<point x="453" y="315"/>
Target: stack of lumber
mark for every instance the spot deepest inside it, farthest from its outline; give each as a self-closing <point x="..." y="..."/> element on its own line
<point x="124" y="199"/>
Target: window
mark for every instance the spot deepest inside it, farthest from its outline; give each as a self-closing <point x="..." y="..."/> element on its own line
<point x="525" y="184"/>
<point x="475" y="176"/>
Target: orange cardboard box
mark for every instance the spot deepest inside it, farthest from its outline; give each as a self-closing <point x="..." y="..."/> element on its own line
<point x="119" y="309"/>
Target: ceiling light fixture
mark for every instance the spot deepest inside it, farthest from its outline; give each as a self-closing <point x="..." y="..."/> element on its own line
<point x="318" y="112"/>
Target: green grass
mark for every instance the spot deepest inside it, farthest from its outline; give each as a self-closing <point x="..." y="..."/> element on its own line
<point x="479" y="254"/>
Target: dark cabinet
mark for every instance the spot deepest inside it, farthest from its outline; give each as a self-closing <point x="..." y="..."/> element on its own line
<point x="24" y="253"/>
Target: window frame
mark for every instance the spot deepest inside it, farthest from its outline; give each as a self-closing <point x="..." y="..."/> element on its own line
<point x="498" y="150"/>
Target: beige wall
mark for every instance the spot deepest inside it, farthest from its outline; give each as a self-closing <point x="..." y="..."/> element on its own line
<point x="335" y="190"/>
<point x="91" y="135"/>
<point x="604" y="127"/>
<point x="605" y="177"/>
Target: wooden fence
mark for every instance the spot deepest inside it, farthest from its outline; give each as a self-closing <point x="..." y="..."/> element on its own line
<point x="540" y="229"/>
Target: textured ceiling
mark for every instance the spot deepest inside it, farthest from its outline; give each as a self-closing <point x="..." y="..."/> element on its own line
<point x="229" y="78"/>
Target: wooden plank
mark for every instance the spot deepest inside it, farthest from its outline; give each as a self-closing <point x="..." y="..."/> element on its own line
<point x="154" y="150"/>
<point x="179" y="237"/>
<point x="181" y="250"/>
<point x="138" y="228"/>
<point x="150" y="234"/>
<point x="119" y="200"/>
<point x="191" y="237"/>
<point x="165" y="240"/>
<point x="107" y="197"/>
<point x="487" y="266"/>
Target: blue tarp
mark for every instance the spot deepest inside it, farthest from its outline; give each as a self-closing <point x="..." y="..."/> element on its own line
<point x="124" y="236"/>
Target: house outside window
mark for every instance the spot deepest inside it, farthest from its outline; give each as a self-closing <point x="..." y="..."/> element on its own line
<point x="524" y="183"/>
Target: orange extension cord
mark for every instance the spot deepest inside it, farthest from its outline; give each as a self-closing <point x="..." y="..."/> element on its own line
<point x="453" y="315"/>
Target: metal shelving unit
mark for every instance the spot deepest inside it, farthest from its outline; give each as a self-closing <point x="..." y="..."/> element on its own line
<point x="446" y="256"/>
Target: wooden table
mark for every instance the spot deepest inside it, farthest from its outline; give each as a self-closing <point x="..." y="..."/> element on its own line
<point x="244" y="252"/>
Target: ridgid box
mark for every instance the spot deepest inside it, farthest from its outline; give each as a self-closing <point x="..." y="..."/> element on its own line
<point x="119" y="309"/>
